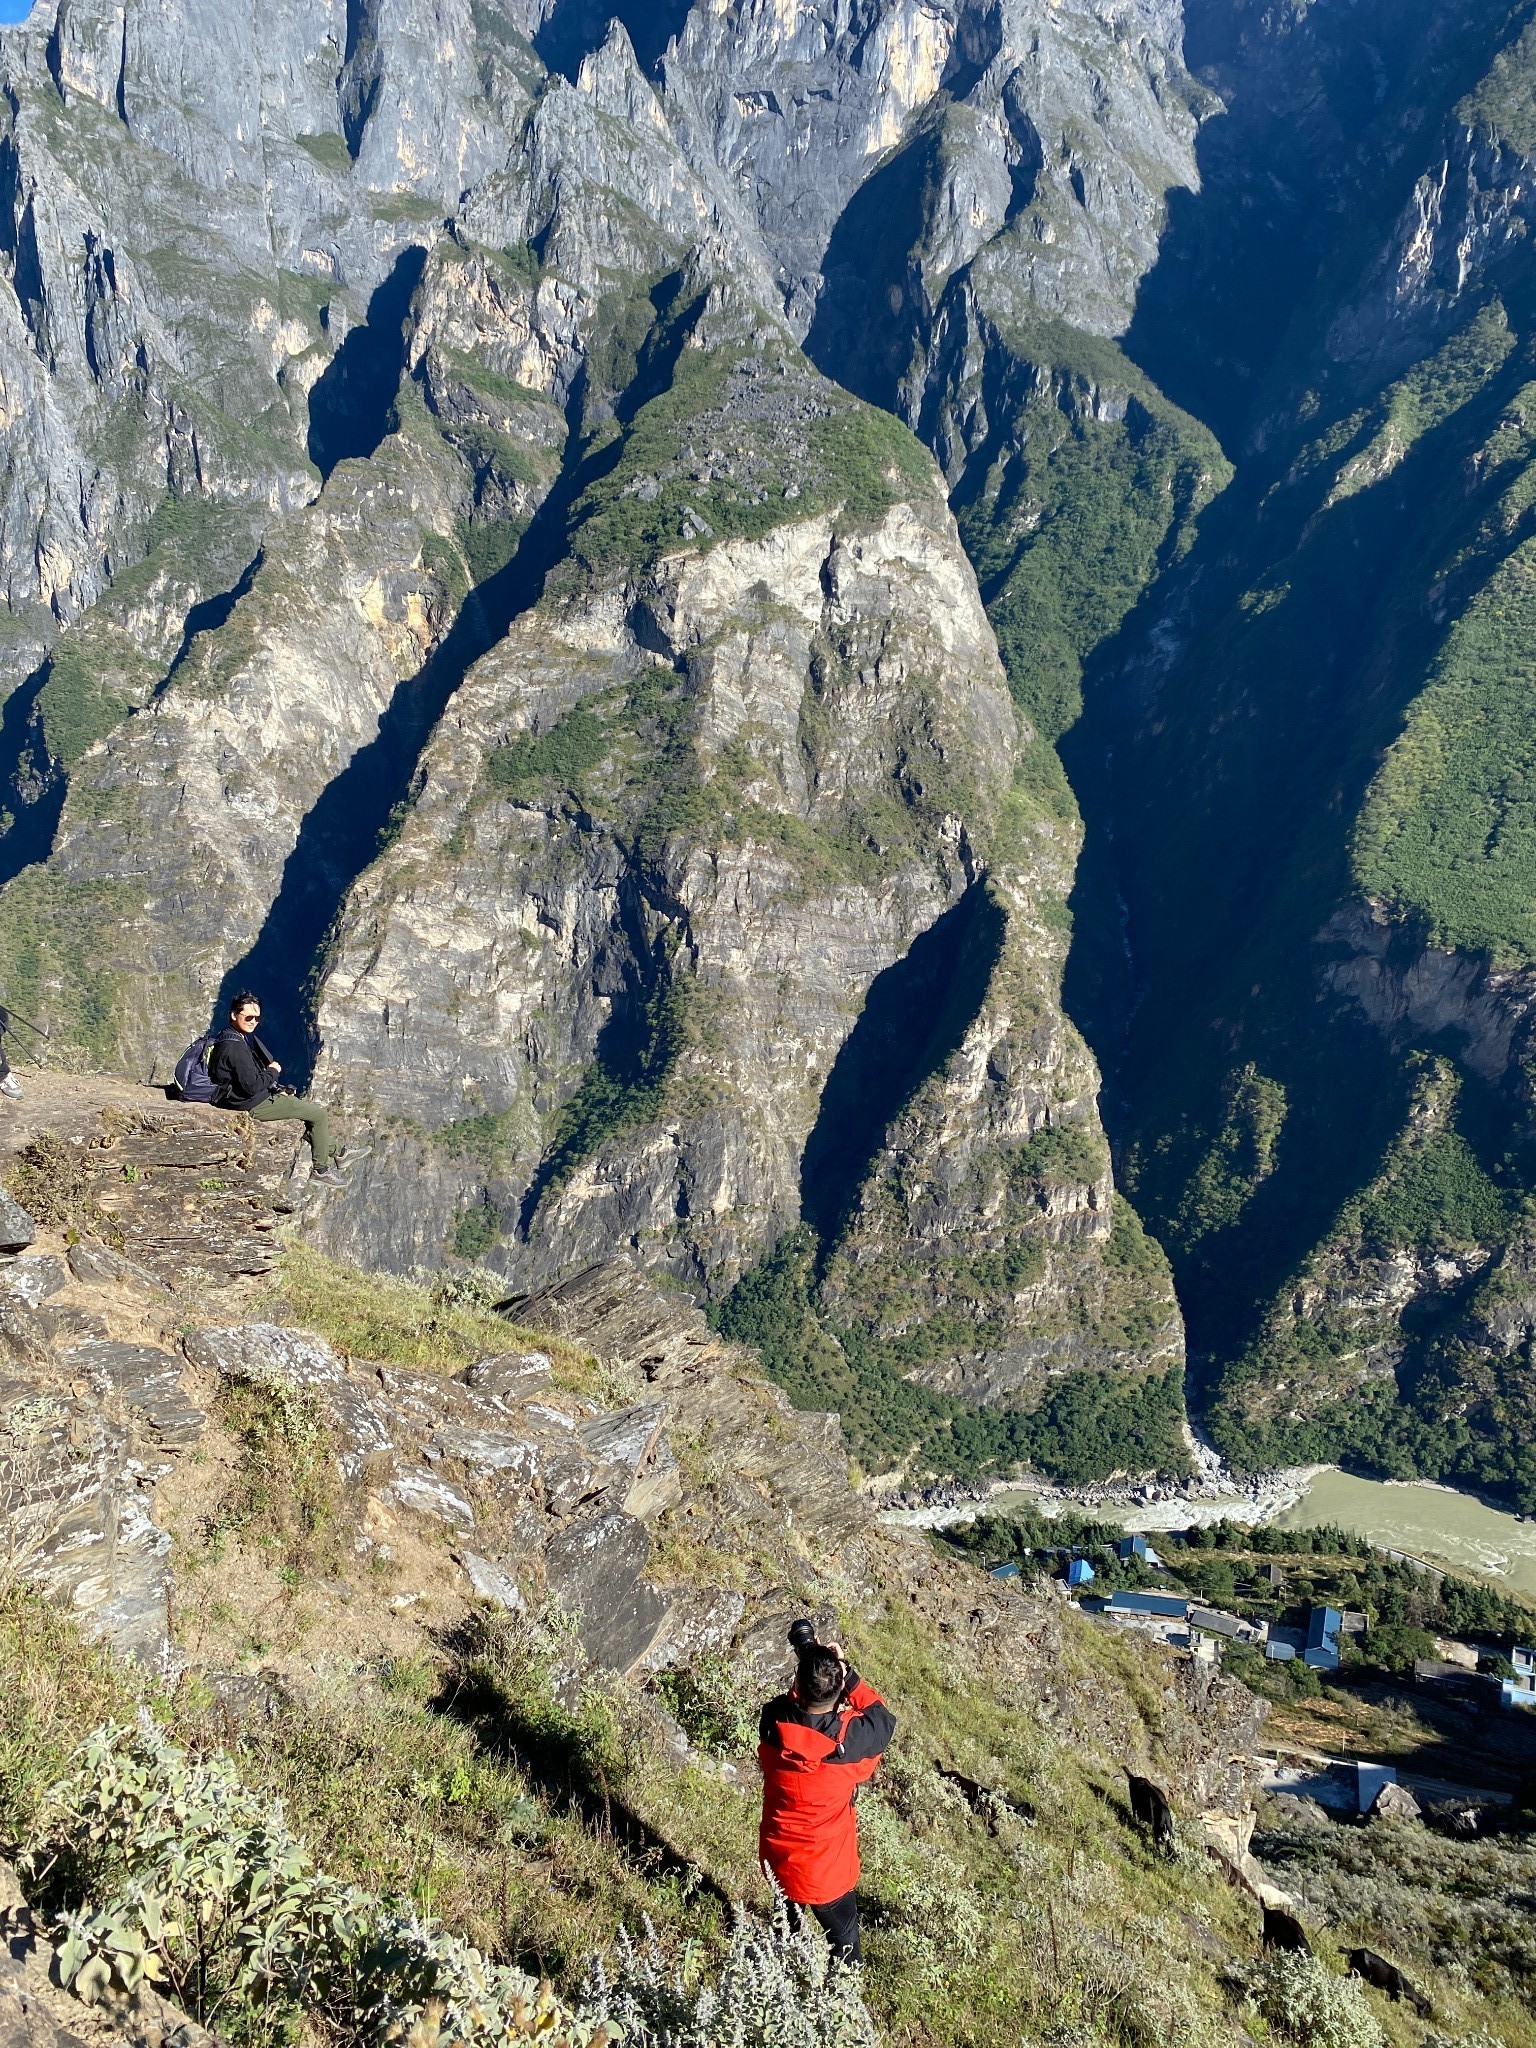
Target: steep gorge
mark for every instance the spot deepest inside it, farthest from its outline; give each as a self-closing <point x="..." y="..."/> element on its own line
<point x="499" y="599"/>
<point x="608" y="709"/>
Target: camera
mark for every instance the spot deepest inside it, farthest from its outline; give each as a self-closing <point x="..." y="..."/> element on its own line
<point x="802" y="1634"/>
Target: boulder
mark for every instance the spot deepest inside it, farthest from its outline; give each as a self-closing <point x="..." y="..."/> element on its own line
<point x="508" y="1374"/>
<point x="33" y="1279"/>
<point x="1395" y="1802"/>
<point x="492" y="1582"/>
<point x="266" y="1354"/>
<point x="634" y="1441"/>
<point x="272" y="1355"/>
<point x="145" y="1384"/>
<point x="487" y="1450"/>
<point x="424" y="1493"/>
<point x="700" y="1623"/>
<point x="17" y="1230"/>
<point x="594" y="1570"/>
<point x="94" y="1265"/>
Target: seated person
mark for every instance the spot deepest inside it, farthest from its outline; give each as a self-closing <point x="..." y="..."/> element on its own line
<point x="246" y="1074"/>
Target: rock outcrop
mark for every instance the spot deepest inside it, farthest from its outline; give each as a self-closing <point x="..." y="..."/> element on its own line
<point x="616" y="1463"/>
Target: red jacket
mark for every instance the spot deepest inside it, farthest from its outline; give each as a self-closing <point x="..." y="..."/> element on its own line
<point x="812" y="1765"/>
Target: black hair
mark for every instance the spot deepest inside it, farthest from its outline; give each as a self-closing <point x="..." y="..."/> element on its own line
<point x="245" y="997"/>
<point x="818" y="1676"/>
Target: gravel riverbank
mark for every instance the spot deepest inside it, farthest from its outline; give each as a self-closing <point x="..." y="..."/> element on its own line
<point x="1211" y="1496"/>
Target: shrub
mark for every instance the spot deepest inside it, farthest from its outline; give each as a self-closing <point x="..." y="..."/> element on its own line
<point x="778" y="1988"/>
<point x="286" y="1495"/>
<point x="1303" y="2002"/>
<point x="189" y="1881"/>
<point x="53" y="1184"/>
<point x="712" y="1703"/>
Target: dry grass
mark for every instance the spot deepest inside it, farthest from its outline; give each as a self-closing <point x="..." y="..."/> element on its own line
<point x="434" y="1325"/>
<point x="52" y="1182"/>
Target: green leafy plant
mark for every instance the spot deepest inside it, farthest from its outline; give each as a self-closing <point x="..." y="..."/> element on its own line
<point x="776" y="1989"/>
<point x="712" y="1702"/>
<point x="194" y="1884"/>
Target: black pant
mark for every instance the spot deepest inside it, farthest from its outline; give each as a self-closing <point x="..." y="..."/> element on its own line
<point x="839" y="1922"/>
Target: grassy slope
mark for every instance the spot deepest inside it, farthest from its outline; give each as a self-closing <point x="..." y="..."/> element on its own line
<point x="465" y="1776"/>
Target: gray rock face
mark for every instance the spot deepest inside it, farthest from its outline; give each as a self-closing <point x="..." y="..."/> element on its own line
<point x="597" y="1566"/>
<point x="609" y="705"/>
<point x="145" y="1384"/>
<point x="575" y="925"/>
<point x="1048" y="135"/>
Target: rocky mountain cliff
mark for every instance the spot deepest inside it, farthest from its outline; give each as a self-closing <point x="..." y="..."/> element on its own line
<point x="585" y="538"/>
<point x="542" y="651"/>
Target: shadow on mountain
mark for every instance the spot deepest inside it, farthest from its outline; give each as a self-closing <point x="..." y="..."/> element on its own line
<point x="635" y="1050"/>
<point x="343" y="831"/>
<point x="915" y="1015"/>
<point x="350" y="406"/>
<point x="577" y="27"/>
<point x="33" y="788"/>
<point x="1203" y="897"/>
<point x="210" y="615"/>
<point x="1310" y="135"/>
<point x="864" y="330"/>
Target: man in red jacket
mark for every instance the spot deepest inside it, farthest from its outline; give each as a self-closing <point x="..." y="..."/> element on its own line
<point x="817" y="1744"/>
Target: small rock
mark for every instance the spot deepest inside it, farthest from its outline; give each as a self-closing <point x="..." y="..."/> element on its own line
<point x="95" y="1266"/>
<point x="492" y="1583"/>
<point x="487" y="1450"/>
<point x="508" y="1372"/>
<point x="1395" y="1802"/>
<point x="33" y="1279"/>
<point x="426" y="1494"/>
<point x="17" y="1230"/>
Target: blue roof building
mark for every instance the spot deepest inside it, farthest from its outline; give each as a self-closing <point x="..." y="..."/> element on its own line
<point x="1162" y="1606"/>
<point x="1079" y="1572"/>
<point x="1322" y="1647"/>
<point x="1131" y="1546"/>
<point x="1004" y="1571"/>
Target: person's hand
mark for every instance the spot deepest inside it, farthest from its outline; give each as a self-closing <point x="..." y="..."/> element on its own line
<point x="273" y="1067"/>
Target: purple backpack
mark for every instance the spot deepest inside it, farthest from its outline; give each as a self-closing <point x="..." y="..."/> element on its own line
<point x="194" y="1083"/>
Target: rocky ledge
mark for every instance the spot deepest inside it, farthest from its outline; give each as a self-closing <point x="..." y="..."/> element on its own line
<point x="610" y="1467"/>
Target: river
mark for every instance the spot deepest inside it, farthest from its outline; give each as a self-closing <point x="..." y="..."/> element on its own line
<point x="1452" y="1529"/>
<point x="1433" y="1522"/>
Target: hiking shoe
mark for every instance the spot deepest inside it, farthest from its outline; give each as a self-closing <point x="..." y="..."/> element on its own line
<point x="10" y="1086"/>
<point x="328" y="1177"/>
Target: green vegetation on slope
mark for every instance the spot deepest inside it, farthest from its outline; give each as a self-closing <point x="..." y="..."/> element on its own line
<point x="977" y="1927"/>
<point x="740" y="442"/>
<point x="1098" y="484"/>
<point x="1447" y="834"/>
<point x="1084" y="1424"/>
<point x="1383" y="1352"/>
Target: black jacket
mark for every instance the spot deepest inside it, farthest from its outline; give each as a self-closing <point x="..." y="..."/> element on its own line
<point x="237" y="1067"/>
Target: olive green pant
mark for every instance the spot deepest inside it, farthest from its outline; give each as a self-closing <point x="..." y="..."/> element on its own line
<point x="282" y="1109"/>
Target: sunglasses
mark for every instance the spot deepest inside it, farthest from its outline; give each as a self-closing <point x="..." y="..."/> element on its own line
<point x="250" y="1016"/>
